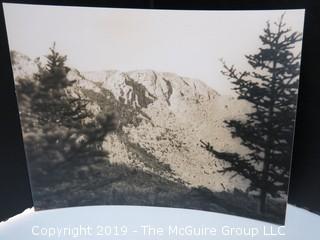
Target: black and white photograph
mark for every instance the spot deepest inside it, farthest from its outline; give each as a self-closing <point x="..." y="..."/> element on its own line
<point x="165" y="108"/>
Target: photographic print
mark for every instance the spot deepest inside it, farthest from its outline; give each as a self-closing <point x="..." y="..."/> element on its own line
<point x="167" y="108"/>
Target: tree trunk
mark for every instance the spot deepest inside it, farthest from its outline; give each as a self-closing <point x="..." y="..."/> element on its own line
<point x="263" y="193"/>
<point x="269" y="140"/>
<point x="263" y="201"/>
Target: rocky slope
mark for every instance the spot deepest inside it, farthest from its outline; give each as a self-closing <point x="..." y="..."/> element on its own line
<point x="161" y="119"/>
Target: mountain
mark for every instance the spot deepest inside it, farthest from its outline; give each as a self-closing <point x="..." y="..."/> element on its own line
<point x="161" y="119"/>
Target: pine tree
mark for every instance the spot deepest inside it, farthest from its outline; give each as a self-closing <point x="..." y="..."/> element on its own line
<point x="62" y="137"/>
<point x="51" y="98"/>
<point x="271" y="88"/>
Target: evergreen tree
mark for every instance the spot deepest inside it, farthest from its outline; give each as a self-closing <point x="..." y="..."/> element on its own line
<point x="51" y="98"/>
<point x="271" y="88"/>
<point x="63" y="139"/>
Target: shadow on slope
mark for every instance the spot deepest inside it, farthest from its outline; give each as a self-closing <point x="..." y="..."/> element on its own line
<point x="117" y="184"/>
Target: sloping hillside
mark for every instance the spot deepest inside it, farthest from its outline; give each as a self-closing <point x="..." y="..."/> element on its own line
<point x="155" y="156"/>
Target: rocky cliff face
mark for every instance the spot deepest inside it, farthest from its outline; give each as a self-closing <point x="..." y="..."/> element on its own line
<point x="161" y="119"/>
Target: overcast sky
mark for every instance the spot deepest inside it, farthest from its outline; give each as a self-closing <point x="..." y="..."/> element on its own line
<point x="189" y="43"/>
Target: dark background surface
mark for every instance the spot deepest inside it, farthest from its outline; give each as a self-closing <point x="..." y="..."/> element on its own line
<point x="15" y="194"/>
